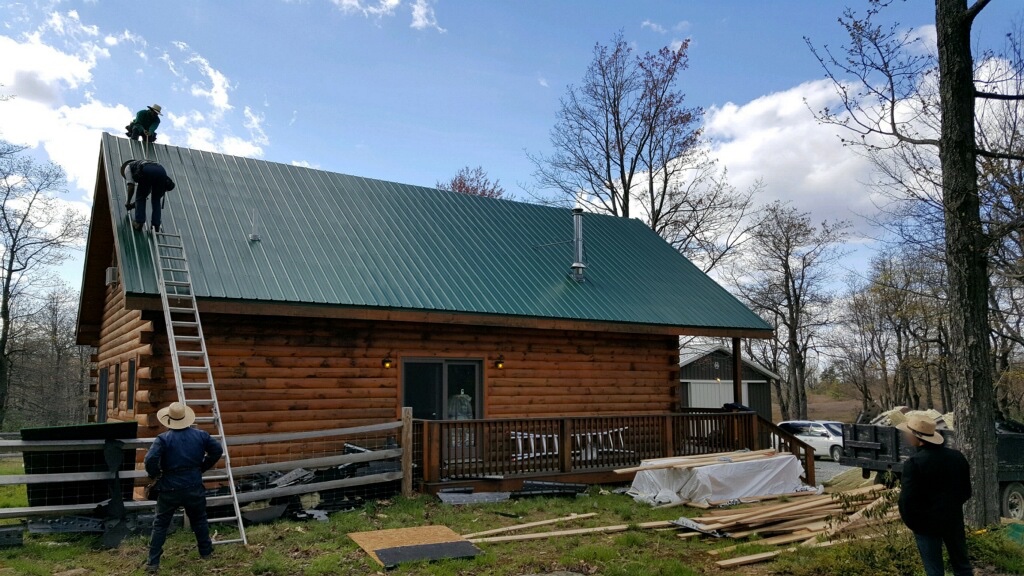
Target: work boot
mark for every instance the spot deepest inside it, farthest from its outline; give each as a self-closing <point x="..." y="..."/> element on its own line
<point x="130" y="205"/>
<point x="156" y="229"/>
<point x="136" y="225"/>
<point x="152" y="569"/>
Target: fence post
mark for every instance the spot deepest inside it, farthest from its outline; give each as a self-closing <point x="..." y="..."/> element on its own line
<point x="668" y="436"/>
<point x="432" y="451"/>
<point x="565" y="447"/>
<point x="406" y="451"/>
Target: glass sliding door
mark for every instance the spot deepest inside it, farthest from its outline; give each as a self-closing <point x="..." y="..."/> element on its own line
<point x="439" y="389"/>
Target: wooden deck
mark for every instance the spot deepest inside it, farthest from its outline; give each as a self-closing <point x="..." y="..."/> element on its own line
<point x="498" y="454"/>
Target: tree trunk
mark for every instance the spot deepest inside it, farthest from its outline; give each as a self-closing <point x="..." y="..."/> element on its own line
<point x="971" y="372"/>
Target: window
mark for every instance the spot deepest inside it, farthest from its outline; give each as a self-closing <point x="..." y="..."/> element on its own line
<point x="131" y="384"/>
<point x="101" y="396"/>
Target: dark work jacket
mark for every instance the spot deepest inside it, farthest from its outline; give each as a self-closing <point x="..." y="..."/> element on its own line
<point x="935" y="484"/>
<point x="182" y="456"/>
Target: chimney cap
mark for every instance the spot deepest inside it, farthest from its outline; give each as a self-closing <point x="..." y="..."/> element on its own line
<point x="577" y="210"/>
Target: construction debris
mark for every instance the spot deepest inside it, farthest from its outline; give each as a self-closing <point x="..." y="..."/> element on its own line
<point x="900" y="414"/>
<point x="811" y="521"/>
<point x="529" y="525"/>
<point x="576" y="532"/>
<point x="391" y="547"/>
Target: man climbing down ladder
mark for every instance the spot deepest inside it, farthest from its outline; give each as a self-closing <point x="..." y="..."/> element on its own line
<point x="152" y="181"/>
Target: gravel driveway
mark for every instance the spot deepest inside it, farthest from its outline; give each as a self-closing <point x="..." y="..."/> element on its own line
<point x="825" y="470"/>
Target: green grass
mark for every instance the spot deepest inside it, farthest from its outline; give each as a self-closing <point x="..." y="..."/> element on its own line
<point x="320" y="548"/>
<point x="12" y="496"/>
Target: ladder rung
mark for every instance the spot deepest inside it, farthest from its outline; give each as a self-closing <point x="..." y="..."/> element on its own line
<point x="188" y="338"/>
<point x="205" y="419"/>
<point x="192" y="353"/>
<point x="179" y="310"/>
<point x="222" y="519"/>
<point x="235" y="541"/>
<point x="175" y="246"/>
<point x="174" y="269"/>
<point x="177" y="324"/>
<point x="176" y="283"/>
<point x="200" y="402"/>
<point x="166" y="257"/>
<point x="195" y="385"/>
<point x="215" y="478"/>
<point x="193" y="369"/>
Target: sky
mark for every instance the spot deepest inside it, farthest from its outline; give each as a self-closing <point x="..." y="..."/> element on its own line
<point x="413" y="90"/>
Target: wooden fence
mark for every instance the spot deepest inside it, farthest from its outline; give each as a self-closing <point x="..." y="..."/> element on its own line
<point x="391" y="441"/>
<point x="519" y="447"/>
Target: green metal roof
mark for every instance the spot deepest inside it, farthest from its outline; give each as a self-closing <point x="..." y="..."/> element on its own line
<point x="335" y="239"/>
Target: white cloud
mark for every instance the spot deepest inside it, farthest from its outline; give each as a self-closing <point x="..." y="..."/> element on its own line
<point x="295" y="115"/>
<point x="682" y="26"/>
<point x="542" y="81"/>
<point x="254" y="122"/>
<point x="776" y="139"/>
<point x="925" y="40"/>
<point x="217" y="87"/>
<point x="40" y="65"/>
<point x="305" y="164"/>
<point x="653" y="26"/>
<point x="368" y="7"/>
<point x="423" y="16"/>
<point x="675" y="45"/>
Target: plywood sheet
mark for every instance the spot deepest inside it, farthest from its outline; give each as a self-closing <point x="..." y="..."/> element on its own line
<point x="399" y="537"/>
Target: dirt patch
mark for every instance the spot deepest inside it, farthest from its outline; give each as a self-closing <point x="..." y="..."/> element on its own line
<point x="825" y="407"/>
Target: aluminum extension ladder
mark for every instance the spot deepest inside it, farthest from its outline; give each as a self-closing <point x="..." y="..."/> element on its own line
<point x="192" y="375"/>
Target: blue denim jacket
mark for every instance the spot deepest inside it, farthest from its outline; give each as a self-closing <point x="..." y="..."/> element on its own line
<point x="182" y="456"/>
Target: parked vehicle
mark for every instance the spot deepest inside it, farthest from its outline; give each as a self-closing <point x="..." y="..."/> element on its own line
<point x="825" y="436"/>
<point x="883" y="449"/>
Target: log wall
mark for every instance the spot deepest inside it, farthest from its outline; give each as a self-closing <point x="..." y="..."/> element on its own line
<point x="125" y="336"/>
<point x="280" y="374"/>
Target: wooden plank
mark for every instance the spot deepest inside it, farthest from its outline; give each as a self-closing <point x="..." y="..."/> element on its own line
<point x="745" y="560"/>
<point x="17" y="479"/>
<point x="530" y="525"/>
<point x="691" y="461"/>
<point x="787" y="539"/>
<point x="575" y="532"/>
<point x="62" y="510"/>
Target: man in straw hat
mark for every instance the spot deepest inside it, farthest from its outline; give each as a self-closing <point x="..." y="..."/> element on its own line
<point x="936" y="482"/>
<point x="178" y="459"/>
<point x="145" y="123"/>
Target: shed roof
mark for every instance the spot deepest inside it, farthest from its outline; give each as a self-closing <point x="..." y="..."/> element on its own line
<point x="340" y="240"/>
<point x="691" y="356"/>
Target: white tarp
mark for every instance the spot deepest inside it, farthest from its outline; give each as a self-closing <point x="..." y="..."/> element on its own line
<point x="726" y="481"/>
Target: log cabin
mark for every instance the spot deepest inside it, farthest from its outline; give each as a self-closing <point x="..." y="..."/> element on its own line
<point x="330" y="300"/>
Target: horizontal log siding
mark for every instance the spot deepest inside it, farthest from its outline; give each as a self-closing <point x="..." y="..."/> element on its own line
<point x="124" y="335"/>
<point x="279" y="374"/>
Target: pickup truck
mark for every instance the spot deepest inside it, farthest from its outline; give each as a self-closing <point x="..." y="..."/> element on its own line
<point x="883" y="449"/>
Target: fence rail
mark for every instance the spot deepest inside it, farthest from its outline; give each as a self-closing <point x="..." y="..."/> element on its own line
<point x="508" y="448"/>
<point x="390" y="441"/>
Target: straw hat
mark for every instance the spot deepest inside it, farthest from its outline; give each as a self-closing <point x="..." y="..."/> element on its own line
<point x="177" y="416"/>
<point x="922" y="428"/>
<point x="155" y="108"/>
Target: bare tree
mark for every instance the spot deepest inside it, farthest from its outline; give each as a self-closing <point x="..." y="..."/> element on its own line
<point x="49" y="371"/>
<point x="884" y="85"/>
<point x="626" y="144"/>
<point x="37" y="231"/>
<point x="785" y="278"/>
<point x="473" y="181"/>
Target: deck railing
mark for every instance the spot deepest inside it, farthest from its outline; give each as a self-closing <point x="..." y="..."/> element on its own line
<point x="508" y="448"/>
<point x="771" y="436"/>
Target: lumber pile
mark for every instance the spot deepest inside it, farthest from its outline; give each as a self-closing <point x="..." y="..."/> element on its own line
<point x="803" y="522"/>
<point x="688" y="462"/>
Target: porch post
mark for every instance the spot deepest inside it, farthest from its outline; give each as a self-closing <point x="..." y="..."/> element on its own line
<point x="737" y="372"/>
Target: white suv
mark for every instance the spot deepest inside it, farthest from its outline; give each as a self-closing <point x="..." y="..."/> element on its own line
<point x="825" y="436"/>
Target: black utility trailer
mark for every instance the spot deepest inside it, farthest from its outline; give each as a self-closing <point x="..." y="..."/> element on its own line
<point x="883" y="449"/>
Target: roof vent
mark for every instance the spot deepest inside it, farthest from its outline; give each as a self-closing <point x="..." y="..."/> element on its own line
<point x="578" y="266"/>
<point x="111" y="277"/>
<point x="254" y="235"/>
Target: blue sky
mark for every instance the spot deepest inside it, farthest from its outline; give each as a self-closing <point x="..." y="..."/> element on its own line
<point x="411" y="91"/>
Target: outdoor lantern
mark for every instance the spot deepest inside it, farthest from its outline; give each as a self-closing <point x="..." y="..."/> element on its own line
<point x="386" y="362"/>
<point x="500" y="362"/>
